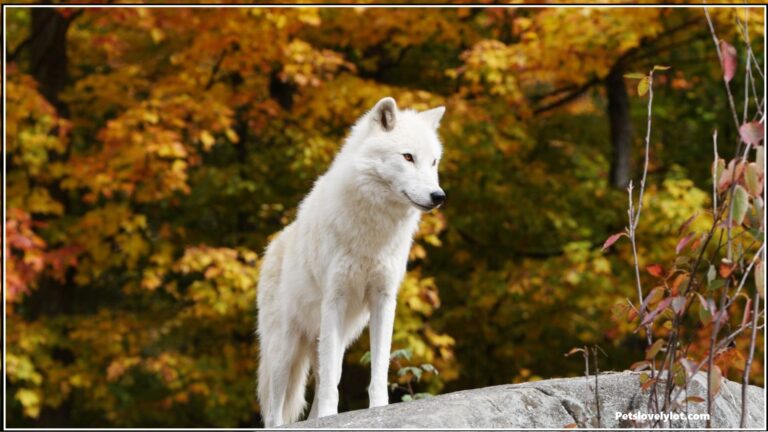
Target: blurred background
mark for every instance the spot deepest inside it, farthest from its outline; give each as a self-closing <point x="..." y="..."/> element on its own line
<point x="152" y="152"/>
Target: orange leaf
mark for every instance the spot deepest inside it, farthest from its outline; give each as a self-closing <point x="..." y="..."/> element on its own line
<point x="655" y="270"/>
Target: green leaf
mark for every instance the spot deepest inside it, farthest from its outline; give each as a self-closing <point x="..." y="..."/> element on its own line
<point x="365" y="358"/>
<point x="716" y="284"/>
<point x="715" y="379"/>
<point x="406" y="398"/>
<point x="711" y="274"/>
<point x="654" y="349"/>
<point x="678" y="372"/>
<point x="705" y="315"/>
<point x="740" y="204"/>
<point x="661" y="68"/>
<point x="752" y="180"/>
<point x="416" y="372"/>
<point x="404" y="353"/>
<point x="429" y="368"/>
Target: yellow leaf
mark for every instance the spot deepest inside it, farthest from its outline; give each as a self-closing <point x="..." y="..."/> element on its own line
<point x="157" y="35"/>
<point x="643" y="86"/>
<point x="30" y="400"/>
<point x="207" y="139"/>
<point x="232" y="136"/>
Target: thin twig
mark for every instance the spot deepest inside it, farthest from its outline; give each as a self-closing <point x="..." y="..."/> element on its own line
<point x="725" y="81"/>
<point x="748" y="364"/>
<point x="647" y="151"/>
<point x="745" y="33"/>
<point x="597" y="387"/>
<point x="634" y="215"/>
<point x="714" y="175"/>
<point x="749" y="58"/>
<point x="722" y="344"/>
<point x="746" y="272"/>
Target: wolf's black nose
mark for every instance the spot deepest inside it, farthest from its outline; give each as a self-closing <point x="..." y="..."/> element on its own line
<point x="438" y="197"/>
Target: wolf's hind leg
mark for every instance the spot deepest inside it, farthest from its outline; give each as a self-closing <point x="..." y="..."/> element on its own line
<point x="331" y="350"/>
<point x="316" y="378"/>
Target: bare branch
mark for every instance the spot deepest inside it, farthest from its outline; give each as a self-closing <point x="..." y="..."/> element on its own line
<point x="569" y="97"/>
<point x="597" y="386"/>
<point x="748" y="364"/>
<point x="714" y="175"/>
<point x="727" y="87"/>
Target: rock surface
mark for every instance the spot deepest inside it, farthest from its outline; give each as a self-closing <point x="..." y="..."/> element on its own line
<point x="554" y="403"/>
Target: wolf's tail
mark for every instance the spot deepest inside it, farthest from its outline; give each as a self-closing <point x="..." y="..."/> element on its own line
<point x="283" y="355"/>
<point x="297" y="382"/>
<point x="269" y="283"/>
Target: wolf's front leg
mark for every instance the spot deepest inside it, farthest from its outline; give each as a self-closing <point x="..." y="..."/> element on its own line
<point x="331" y="353"/>
<point x="382" y="320"/>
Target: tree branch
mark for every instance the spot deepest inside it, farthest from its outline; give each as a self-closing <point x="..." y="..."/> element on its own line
<point x="568" y="98"/>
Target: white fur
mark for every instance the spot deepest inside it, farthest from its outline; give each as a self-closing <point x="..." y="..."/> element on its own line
<point x="339" y="265"/>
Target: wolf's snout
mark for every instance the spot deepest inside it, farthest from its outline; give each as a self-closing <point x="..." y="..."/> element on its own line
<point x="438" y="197"/>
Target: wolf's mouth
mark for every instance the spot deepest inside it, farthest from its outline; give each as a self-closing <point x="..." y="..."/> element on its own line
<point x="422" y="207"/>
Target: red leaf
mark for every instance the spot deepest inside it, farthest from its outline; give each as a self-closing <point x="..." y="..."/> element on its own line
<point x="683" y="242"/>
<point x="656" y="270"/>
<point x="752" y="132"/>
<point x="662" y="305"/>
<point x="729" y="60"/>
<point x="641" y="365"/>
<point x="654" y="296"/>
<point x="612" y="239"/>
<point x="687" y="222"/>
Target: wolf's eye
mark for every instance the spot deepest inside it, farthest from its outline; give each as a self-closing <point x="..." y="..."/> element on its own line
<point x="408" y="157"/>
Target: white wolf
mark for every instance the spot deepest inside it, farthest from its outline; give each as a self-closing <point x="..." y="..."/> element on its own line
<point x="339" y="265"/>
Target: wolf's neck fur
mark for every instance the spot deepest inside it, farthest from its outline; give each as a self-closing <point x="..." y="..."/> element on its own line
<point x="370" y="214"/>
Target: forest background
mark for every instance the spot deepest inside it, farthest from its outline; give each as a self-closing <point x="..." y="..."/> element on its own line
<point x="152" y="152"/>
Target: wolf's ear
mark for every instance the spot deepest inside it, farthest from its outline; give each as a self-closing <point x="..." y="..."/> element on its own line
<point x="433" y="116"/>
<point x="385" y="113"/>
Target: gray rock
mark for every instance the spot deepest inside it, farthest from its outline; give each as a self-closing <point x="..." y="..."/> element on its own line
<point x="554" y="403"/>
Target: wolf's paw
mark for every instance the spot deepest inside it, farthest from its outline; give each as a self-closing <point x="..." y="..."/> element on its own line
<point x="379" y="401"/>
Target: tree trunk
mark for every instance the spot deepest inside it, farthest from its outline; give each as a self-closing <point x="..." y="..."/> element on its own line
<point x="48" y="54"/>
<point x="621" y="127"/>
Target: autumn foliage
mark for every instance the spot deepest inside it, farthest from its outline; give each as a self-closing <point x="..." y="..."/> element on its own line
<point x="142" y="191"/>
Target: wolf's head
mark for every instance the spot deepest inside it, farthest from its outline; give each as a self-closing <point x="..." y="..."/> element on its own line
<point x="399" y="152"/>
